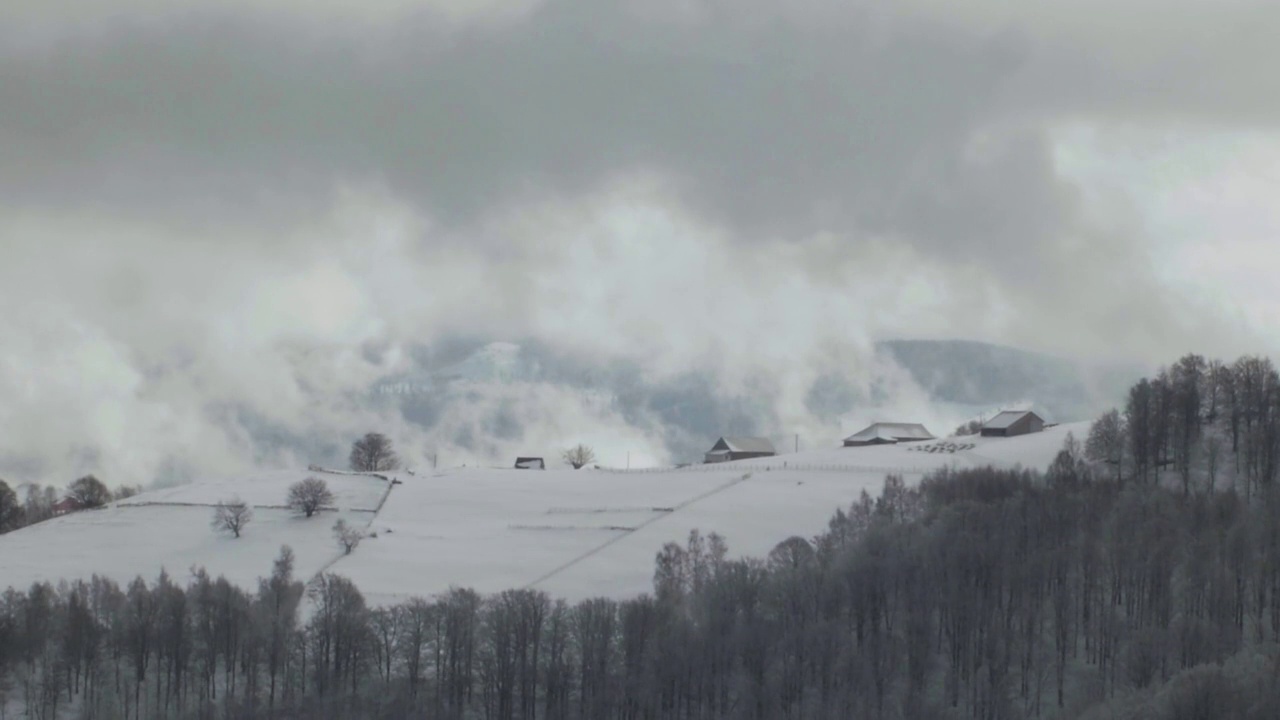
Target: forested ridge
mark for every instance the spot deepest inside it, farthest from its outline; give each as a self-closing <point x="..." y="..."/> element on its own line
<point x="1138" y="578"/>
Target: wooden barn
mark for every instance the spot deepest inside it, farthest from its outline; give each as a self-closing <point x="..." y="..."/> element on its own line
<point x="739" y="448"/>
<point x="882" y="433"/>
<point x="1013" y="422"/>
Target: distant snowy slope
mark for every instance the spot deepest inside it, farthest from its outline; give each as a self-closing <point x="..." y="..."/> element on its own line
<point x="588" y="533"/>
<point x="574" y="534"/>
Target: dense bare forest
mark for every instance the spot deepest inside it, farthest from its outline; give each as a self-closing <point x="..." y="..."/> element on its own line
<point x="1138" y="578"/>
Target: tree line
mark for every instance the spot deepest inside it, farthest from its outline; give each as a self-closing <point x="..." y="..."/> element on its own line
<point x="1198" y="421"/>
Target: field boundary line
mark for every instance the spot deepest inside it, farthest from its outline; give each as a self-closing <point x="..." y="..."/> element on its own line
<point x="611" y="541"/>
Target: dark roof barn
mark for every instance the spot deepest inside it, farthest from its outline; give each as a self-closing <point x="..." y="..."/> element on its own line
<point x="1013" y="422"/>
<point x="739" y="448"/>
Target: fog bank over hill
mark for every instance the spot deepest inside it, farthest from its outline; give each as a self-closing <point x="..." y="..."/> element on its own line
<point x="481" y="401"/>
<point x="469" y="400"/>
<point x="975" y="373"/>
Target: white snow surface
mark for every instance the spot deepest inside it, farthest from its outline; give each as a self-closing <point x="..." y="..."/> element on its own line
<point x="574" y="534"/>
<point x="268" y="489"/>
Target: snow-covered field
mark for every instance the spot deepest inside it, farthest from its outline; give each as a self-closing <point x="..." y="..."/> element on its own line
<point x="572" y="533"/>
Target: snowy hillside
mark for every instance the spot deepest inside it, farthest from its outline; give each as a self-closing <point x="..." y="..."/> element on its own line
<point x="171" y="529"/>
<point x="574" y="534"/>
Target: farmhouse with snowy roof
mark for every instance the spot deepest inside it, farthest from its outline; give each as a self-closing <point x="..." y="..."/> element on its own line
<point x="883" y="433"/>
<point x="1013" y="422"/>
<point x="740" y="448"/>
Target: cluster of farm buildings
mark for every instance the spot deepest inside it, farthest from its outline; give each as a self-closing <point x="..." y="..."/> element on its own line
<point x="1005" y="424"/>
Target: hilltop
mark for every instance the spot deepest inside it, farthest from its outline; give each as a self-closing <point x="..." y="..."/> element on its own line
<point x="574" y="534"/>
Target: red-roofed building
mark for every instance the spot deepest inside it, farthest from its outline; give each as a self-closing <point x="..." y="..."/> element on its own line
<point x="66" y="505"/>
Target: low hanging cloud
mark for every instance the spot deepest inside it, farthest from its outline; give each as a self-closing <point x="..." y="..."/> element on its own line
<point x="223" y="225"/>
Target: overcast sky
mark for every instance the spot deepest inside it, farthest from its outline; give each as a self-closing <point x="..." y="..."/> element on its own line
<point x="205" y="204"/>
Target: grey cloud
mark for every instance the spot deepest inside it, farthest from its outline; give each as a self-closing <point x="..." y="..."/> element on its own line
<point x="776" y="125"/>
<point x="1201" y="63"/>
<point x="781" y="130"/>
<point x="229" y="135"/>
<point x="772" y="125"/>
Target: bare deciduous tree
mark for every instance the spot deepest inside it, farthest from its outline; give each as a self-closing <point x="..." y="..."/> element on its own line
<point x="89" y="492"/>
<point x="348" y="537"/>
<point x="231" y="516"/>
<point x="308" y="496"/>
<point x="1212" y="453"/>
<point x="1106" y="441"/>
<point x="373" y="453"/>
<point x="38" y="503"/>
<point x="579" y="456"/>
<point x="10" y="509"/>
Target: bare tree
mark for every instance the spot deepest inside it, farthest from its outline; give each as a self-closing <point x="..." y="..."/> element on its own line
<point x="348" y="537"/>
<point x="231" y="516"/>
<point x="1106" y="441"/>
<point x="579" y="456"/>
<point x="38" y="503"/>
<point x="308" y="496"/>
<point x="1212" y="454"/>
<point x="277" y="605"/>
<point x="89" y="492"/>
<point x="373" y="453"/>
<point x="10" y="509"/>
<point x="338" y="631"/>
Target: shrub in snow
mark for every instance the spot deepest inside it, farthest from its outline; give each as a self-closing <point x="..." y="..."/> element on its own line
<point x="579" y="456"/>
<point x="348" y="537"/>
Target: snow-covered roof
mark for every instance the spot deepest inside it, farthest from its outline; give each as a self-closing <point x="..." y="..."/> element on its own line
<point x="1007" y="418"/>
<point x="891" y="431"/>
<point x="748" y="444"/>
